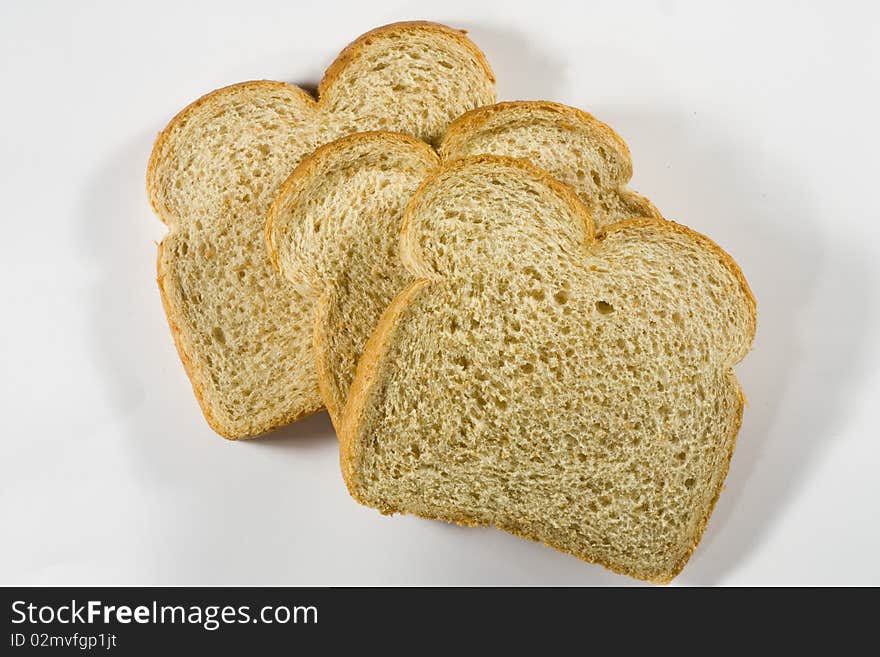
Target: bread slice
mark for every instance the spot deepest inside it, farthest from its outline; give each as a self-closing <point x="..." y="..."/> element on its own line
<point x="568" y="387"/>
<point x="333" y="229"/>
<point x="243" y="335"/>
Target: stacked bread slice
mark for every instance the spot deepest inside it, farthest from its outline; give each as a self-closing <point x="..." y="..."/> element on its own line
<point x="503" y="333"/>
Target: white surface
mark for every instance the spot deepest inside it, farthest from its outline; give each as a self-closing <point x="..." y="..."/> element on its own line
<point x="756" y="124"/>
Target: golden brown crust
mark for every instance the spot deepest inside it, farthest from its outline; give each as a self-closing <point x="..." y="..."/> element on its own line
<point x="352" y="50"/>
<point x="188" y="367"/>
<point x="322" y="363"/>
<point x="637" y="203"/>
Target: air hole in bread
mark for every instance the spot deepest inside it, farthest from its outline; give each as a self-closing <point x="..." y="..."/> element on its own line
<point x="604" y="308"/>
<point x="532" y="272"/>
<point x="218" y="335"/>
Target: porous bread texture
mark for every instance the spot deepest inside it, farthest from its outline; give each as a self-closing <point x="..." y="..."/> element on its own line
<point x="570" y="388"/>
<point x="333" y="231"/>
<point x="243" y="335"/>
<point x="570" y="144"/>
<point x="334" y="235"/>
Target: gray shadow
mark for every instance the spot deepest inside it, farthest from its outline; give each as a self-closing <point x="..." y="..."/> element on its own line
<point x="813" y="324"/>
<point x="310" y="87"/>
<point x="523" y="70"/>
<point x="307" y="433"/>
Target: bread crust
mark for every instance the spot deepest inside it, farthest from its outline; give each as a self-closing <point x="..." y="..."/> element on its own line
<point x="322" y="367"/>
<point x="371" y="367"/>
<point x="352" y="50"/>
<point x="160" y="153"/>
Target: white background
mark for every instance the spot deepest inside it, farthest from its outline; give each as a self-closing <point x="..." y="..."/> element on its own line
<point x="756" y="124"/>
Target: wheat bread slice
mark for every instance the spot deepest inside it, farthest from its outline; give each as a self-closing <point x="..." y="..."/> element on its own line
<point x="570" y="387"/>
<point x="244" y="336"/>
<point x="333" y="229"/>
